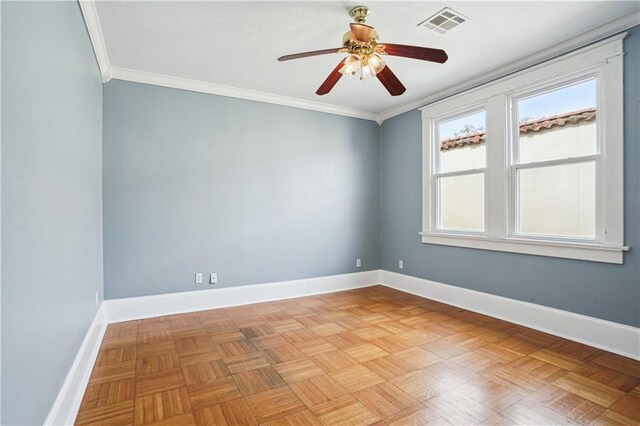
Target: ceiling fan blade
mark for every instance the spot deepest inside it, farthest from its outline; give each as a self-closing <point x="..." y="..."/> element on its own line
<point x="415" y="52"/>
<point x="362" y="32"/>
<point x="391" y="82"/>
<point x="308" y="54"/>
<point x="331" y="80"/>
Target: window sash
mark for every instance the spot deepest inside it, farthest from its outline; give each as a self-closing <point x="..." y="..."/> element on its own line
<point x="435" y="198"/>
<point x="469" y="110"/>
<point x="548" y="87"/>
<point x="533" y="90"/>
<point x="436" y="202"/>
<point x="514" y="204"/>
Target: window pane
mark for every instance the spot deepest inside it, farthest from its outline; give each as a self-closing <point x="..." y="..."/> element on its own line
<point x="462" y="202"/>
<point x="462" y="143"/>
<point x="558" y="124"/>
<point x="558" y="200"/>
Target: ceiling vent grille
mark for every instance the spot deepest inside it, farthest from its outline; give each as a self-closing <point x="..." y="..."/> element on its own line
<point x="444" y="21"/>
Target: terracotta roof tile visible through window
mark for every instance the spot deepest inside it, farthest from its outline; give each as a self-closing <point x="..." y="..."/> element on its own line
<point x="537" y="125"/>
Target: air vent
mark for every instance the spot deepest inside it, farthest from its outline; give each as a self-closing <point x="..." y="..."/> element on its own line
<point x="444" y="21"/>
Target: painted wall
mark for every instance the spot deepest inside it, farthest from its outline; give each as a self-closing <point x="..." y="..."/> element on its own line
<point x="253" y="191"/>
<point x="606" y="291"/>
<point x="51" y="201"/>
<point x="0" y="212"/>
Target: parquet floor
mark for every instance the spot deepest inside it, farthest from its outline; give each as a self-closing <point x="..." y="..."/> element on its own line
<point x="368" y="356"/>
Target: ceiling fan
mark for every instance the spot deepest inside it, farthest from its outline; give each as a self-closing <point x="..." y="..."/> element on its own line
<point x="364" y="60"/>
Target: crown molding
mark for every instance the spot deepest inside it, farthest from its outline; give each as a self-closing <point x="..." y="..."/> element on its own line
<point x="604" y="31"/>
<point x="108" y="72"/>
<point x="235" y="92"/>
<point x="91" y="20"/>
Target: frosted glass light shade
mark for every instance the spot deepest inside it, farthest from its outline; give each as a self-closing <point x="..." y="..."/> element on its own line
<point x="353" y="67"/>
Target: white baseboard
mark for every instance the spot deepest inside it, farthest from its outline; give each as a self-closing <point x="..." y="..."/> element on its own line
<point x="66" y="405"/>
<point x="191" y="301"/>
<point x="610" y="336"/>
<point x="607" y="335"/>
<point x="65" y="408"/>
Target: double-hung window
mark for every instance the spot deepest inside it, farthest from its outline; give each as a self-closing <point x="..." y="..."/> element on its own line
<point x="531" y="163"/>
<point x="459" y="174"/>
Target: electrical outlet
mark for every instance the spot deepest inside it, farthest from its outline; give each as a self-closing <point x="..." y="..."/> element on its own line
<point x="97" y="298"/>
<point x="358" y="263"/>
<point x="214" y="278"/>
<point x="199" y="278"/>
<point x="401" y="264"/>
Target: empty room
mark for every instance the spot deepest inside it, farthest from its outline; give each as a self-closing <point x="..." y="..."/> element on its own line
<point x="319" y="213"/>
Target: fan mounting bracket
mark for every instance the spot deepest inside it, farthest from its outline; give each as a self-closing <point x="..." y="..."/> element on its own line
<point x="360" y="14"/>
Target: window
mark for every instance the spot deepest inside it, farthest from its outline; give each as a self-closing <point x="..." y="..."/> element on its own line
<point x="555" y="149"/>
<point x="531" y="163"/>
<point x="459" y="176"/>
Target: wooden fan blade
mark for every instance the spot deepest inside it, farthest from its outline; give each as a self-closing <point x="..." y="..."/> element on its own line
<point x="307" y="54"/>
<point x="331" y="80"/>
<point x="415" y="52"/>
<point x="362" y="32"/>
<point x="391" y="82"/>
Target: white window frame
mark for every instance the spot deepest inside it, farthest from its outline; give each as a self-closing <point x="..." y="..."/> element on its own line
<point x="471" y="109"/>
<point x="603" y="61"/>
<point x="514" y="165"/>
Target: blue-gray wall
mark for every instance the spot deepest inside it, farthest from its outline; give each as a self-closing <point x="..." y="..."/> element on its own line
<point x="51" y="201"/>
<point x="0" y="212"/>
<point x="253" y="191"/>
<point x="606" y="291"/>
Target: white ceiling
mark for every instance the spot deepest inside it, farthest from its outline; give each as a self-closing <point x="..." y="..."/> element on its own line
<point x="237" y="43"/>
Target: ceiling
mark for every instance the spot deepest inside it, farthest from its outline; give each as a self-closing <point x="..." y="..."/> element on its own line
<point x="237" y="43"/>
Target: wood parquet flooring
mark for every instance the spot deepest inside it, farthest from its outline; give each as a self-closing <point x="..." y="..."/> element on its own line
<point x="367" y="356"/>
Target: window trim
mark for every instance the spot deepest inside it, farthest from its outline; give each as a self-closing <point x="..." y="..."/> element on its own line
<point x="601" y="60"/>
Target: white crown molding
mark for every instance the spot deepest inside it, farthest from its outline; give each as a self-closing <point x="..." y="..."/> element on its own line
<point x="91" y="20"/>
<point x="235" y="92"/>
<point x="65" y="407"/>
<point x="108" y="72"/>
<point x="604" y="31"/>
<point x="610" y="336"/>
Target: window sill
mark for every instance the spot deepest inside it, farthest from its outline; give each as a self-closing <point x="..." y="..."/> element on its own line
<point x="568" y="250"/>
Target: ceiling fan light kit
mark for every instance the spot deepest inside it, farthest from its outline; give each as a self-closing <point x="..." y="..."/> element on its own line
<point x="364" y="67"/>
<point x="364" y="60"/>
